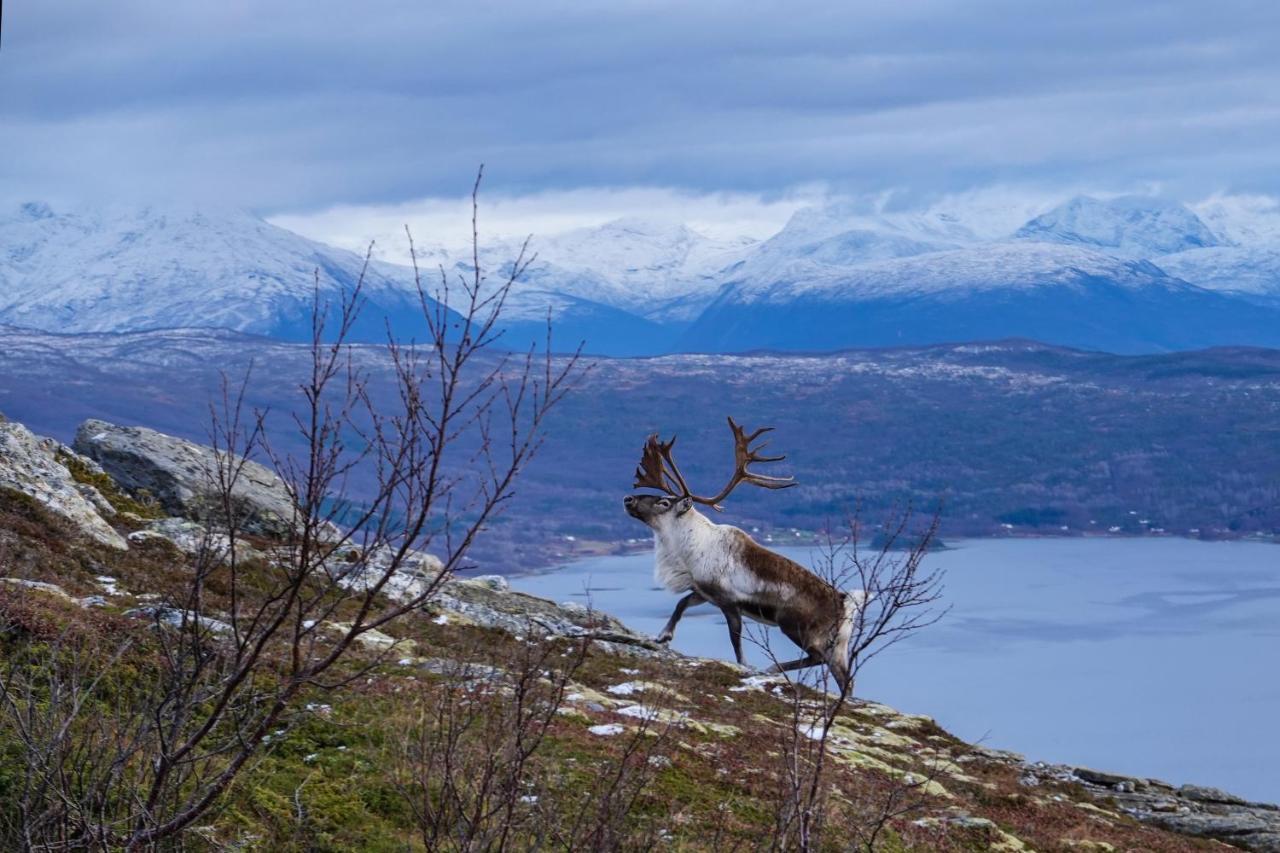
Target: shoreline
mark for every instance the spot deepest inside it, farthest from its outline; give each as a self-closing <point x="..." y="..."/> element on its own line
<point x="543" y="557"/>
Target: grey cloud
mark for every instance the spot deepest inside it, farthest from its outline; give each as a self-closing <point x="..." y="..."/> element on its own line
<point x="289" y="105"/>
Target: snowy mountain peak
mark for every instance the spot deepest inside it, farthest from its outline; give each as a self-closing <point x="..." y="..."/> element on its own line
<point x="636" y="226"/>
<point x="1133" y="226"/>
<point x="119" y="267"/>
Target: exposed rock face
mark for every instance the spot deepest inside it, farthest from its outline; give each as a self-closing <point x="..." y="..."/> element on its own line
<point x="177" y="618"/>
<point x="1188" y="810"/>
<point x="29" y="464"/>
<point x="194" y="539"/>
<point x="487" y="602"/>
<point x="181" y="475"/>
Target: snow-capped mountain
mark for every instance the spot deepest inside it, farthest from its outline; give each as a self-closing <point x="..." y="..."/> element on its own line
<point x="1251" y="272"/>
<point x="1125" y="274"/>
<point x="960" y="272"/>
<point x="652" y="270"/>
<point x="625" y="287"/>
<point x="127" y="268"/>
<point x="642" y="266"/>
<point x="620" y="287"/>
<point x="1088" y="273"/>
<point x="1066" y="294"/>
<point x="817" y="243"/>
<point x="1130" y="226"/>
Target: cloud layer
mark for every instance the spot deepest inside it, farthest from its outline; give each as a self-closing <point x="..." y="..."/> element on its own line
<point x="299" y="106"/>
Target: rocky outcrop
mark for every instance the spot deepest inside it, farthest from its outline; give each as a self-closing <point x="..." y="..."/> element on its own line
<point x="29" y="464"/>
<point x="181" y="475"/>
<point x="487" y="601"/>
<point x="1187" y="810"/>
<point x="194" y="539"/>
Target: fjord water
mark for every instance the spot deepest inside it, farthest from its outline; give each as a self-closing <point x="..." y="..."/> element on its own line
<point x="1149" y="657"/>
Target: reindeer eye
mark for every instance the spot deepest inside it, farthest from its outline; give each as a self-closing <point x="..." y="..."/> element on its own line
<point x="664" y="503"/>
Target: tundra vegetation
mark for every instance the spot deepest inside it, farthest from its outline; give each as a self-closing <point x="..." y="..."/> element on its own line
<point x="333" y="687"/>
<point x="450" y="730"/>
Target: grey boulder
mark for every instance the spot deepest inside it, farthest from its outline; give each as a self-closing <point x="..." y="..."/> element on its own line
<point x="182" y="476"/>
<point x="29" y="464"/>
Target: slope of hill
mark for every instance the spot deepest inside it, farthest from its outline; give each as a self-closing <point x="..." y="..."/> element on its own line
<point x="484" y="713"/>
<point x="1035" y="437"/>
<point x="1250" y="272"/>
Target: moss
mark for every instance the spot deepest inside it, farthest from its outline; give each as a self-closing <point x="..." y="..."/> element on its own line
<point x="329" y="783"/>
<point x="143" y="504"/>
<point x="21" y="502"/>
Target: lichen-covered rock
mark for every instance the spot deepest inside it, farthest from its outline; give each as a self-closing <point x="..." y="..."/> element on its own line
<point x="355" y="568"/>
<point x="194" y="539"/>
<point x="485" y="600"/>
<point x="1190" y="810"/>
<point x="29" y="464"/>
<point x="39" y="586"/>
<point x="182" y="475"/>
<point x="100" y="503"/>
<point x="374" y="639"/>
<point x="482" y="602"/>
<point x="175" y="617"/>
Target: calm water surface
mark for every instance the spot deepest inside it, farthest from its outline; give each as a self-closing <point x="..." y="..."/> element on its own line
<point x="1152" y="657"/>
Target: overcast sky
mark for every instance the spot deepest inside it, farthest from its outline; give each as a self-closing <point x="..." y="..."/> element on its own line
<point x="738" y="110"/>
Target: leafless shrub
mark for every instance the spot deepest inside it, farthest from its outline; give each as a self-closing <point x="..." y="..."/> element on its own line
<point x="463" y="763"/>
<point x="604" y="816"/>
<point x="901" y="598"/>
<point x="126" y="765"/>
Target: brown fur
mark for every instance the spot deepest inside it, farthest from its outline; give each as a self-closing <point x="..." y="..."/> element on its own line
<point x="811" y="615"/>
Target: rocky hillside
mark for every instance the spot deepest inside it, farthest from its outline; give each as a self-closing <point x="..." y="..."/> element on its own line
<point x="629" y="745"/>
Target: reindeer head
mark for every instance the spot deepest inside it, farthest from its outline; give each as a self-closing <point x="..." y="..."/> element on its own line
<point x="658" y="470"/>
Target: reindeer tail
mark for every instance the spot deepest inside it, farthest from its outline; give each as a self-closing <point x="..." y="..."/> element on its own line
<point x="853" y="601"/>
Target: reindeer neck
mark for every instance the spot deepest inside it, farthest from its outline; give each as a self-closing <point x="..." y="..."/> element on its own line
<point x="685" y="535"/>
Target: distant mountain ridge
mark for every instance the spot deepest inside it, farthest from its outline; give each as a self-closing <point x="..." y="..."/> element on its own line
<point x="125" y="268"/>
<point x="1127" y="274"/>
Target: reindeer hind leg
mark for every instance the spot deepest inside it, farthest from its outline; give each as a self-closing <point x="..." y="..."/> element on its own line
<point x="734" y="619"/>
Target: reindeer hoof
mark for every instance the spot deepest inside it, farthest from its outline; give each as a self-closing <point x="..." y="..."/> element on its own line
<point x="662" y="639"/>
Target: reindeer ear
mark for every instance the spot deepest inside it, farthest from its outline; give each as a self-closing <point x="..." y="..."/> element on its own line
<point x="684" y="505"/>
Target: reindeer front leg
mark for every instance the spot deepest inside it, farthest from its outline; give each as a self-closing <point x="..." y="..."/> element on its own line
<point x="670" y="630"/>
<point x="798" y="663"/>
<point x="734" y="618"/>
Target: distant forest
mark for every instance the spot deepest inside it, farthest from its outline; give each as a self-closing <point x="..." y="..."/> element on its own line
<point x="1010" y="438"/>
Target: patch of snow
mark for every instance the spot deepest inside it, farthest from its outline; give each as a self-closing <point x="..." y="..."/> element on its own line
<point x="627" y="688"/>
<point x="812" y="731"/>
<point x="640" y="712"/>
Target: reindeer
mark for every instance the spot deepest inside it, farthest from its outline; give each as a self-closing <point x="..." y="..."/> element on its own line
<point x="721" y="564"/>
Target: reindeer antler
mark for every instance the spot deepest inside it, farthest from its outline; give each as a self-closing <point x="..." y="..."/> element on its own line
<point x="658" y="469"/>
<point x="743" y="455"/>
